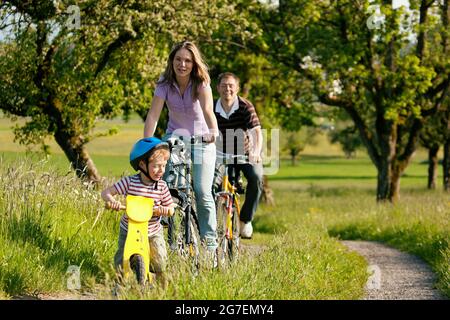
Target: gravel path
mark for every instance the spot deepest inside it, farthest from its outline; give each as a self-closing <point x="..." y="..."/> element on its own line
<point x="395" y="275"/>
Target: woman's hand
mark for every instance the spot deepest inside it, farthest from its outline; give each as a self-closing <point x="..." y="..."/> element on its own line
<point x="209" y="138"/>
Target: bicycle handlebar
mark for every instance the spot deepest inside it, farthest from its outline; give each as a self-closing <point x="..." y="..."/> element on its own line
<point x="194" y="139"/>
<point x="108" y="206"/>
<point x="228" y="157"/>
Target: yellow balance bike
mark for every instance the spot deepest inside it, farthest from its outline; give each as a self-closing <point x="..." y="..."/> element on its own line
<point x="136" y="255"/>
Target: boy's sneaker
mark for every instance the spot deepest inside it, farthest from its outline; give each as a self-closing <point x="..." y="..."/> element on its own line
<point x="246" y="230"/>
<point x="210" y="253"/>
<point x="211" y="258"/>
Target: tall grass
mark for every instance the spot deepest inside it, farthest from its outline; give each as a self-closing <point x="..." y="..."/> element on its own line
<point x="47" y="223"/>
<point x="419" y="223"/>
<point x="50" y="221"/>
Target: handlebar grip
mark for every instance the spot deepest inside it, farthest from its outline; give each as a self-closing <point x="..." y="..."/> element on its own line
<point x="108" y="206"/>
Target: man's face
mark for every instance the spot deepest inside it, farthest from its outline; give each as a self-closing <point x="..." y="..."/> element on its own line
<point x="228" y="88"/>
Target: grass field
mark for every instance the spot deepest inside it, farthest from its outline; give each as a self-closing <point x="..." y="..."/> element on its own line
<point x="49" y="220"/>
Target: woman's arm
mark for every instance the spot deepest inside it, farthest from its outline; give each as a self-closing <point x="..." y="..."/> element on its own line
<point x="206" y="102"/>
<point x="153" y="116"/>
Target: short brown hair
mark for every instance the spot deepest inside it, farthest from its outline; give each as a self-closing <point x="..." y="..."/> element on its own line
<point x="226" y="75"/>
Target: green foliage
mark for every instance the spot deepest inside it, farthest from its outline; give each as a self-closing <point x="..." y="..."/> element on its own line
<point x="66" y="79"/>
<point x="295" y="142"/>
<point x="385" y="80"/>
<point x="348" y="138"/>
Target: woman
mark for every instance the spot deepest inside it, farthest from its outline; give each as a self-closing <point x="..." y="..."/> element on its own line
<point x="185" y="88"/>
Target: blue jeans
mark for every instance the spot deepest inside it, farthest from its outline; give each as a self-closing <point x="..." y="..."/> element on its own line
<point x="254" y="176"/>
<point x="203" y="157"/>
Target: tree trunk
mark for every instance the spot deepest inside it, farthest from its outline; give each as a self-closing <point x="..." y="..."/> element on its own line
<point x="383" y="181"/>
<point x="293" y="160"/>
<point x="432" y="166"/>
<point x="446" y="165"/>
<point x="394" y="189"/>
<point x="78" y="156"/>
<point x="267" y="194"/>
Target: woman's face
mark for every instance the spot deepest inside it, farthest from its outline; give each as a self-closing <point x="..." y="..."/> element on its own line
<point x="183" y="63"/>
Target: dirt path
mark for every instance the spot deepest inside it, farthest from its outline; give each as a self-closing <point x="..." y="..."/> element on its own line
<point x="396" y="275"/>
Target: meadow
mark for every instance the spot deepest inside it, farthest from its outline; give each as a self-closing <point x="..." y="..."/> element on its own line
<point x="50" y="220"/>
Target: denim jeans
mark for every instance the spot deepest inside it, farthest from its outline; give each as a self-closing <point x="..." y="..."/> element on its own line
<point x="254" y="176"/>
<point x="203" y="157"/>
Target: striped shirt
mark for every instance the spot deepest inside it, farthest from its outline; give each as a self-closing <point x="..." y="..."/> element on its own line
<point x="132" y="185"/>
<point x="233" y="126"/>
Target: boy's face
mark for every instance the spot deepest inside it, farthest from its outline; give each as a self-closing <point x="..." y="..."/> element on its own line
<point x="156" y="168"/>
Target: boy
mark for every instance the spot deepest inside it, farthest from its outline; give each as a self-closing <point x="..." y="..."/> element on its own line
<point x="148" y="156"/>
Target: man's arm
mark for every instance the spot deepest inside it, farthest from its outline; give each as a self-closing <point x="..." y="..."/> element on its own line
<point x="256" y="140"/>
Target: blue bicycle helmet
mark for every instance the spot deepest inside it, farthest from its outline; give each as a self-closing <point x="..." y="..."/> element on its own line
<point x="142" y="150"/>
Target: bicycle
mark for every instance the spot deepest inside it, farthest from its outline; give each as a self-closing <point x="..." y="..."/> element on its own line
<point x="136" y="255"/>
<point x="228" y="207"/>
<point x="183" y="228"/>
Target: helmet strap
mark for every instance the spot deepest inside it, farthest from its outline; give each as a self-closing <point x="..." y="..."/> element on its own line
<point x="147" y="174"/>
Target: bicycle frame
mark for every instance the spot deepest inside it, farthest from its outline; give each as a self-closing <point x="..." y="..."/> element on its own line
<point x="231" y="196"/>
<point x="184" y="194"/>
<point x="139" y="211"/>
<point x="228" y="208"/>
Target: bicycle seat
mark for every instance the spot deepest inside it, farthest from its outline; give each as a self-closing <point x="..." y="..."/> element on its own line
<point x="139" y="209"/>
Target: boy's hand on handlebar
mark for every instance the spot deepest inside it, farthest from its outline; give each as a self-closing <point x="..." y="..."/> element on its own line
<point x="164" y="211"/>
<point x="115" y="205"/>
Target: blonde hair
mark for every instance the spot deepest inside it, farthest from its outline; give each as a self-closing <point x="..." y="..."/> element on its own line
<point x="199" y="73"/>
<point x="159" y="153"/>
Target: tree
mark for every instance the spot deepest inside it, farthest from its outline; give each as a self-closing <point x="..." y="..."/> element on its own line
<point x="345" y="133"/>
<point x="386" y="81"/>
<point x="64" y="77"/>
<point x="297" y="141"/>
<point x="446" y="160"/>
<point x="294" y="146"/>
<point x="432" y="137"/>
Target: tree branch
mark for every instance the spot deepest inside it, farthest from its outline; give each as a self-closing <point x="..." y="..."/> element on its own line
<point x="116" y="44"/>
<point x="366" y="137"/>
<point x="420" y="49"/>
<point x="412" y="140"/>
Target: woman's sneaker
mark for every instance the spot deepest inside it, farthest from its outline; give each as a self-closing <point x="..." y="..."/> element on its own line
<point x="246" y="230"/>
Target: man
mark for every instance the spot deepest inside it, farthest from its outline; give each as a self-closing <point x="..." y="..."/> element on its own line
<point x="241" y="133"/>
